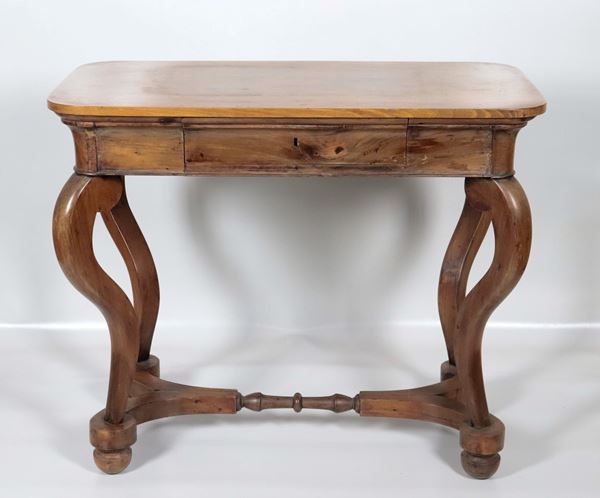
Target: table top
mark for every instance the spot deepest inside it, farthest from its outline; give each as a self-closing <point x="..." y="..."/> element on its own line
<point x="425" y="90"/>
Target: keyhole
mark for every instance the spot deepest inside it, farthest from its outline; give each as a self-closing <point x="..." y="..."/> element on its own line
<point x="296" y="142"/>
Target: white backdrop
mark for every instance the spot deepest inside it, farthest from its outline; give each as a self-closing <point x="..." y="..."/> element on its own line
<point x="301" y="253"/>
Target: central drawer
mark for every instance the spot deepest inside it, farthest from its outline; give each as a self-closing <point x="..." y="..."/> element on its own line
<point x="319" y="150"/>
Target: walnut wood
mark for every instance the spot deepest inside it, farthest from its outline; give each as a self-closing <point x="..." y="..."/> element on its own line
<point x="298" y="89"/>
<point x="143" y="149"/>
<point x="503" y="148"/>
<point x="298" y="149"/>
<point x="483" y="441"/>
<point x="454" y="150"/>
<point x="151" y="398"/>
<point x="74" y="216"/>
<point x="111" y="437"/>
<point x="447" y="370"/>
<point x="131" y="327"/>
<point x="324" y="119"/>
<point x="337" y="403"/>
<point x="466" y="240"/>
<point x="130" y="242"/>
<point x="112" y="462"/>
<point x="151" y="365"/>
<point x="504" y="204"/>
<point x="167" y="399"/>
<point x="397" y="148"/>
<point x="508" y="208"/>
<point x="86" y="156"/>
<point x="435" y="403"/>
<point x="480" y="457"/>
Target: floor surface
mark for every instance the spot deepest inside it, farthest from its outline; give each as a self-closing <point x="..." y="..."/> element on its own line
<point x="544" y="385"/>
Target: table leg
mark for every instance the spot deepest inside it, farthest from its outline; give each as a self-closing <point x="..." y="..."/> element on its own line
<point x="136" y="394"/>
<point x="502" y="203"/>
<point x="464" y="244"/>
<point x="130" y="326"/>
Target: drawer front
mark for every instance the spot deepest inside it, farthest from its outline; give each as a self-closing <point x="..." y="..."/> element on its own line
<point x="290" y="150"/>
<point x="337" y="149"/>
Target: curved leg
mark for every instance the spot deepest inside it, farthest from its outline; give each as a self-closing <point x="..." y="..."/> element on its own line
<point x="130" y="241"/>
<point x="130" y="327"/>
<point x="464" y="244"/>
<point x="504" y="202"/>
<point x="136" y="394"/>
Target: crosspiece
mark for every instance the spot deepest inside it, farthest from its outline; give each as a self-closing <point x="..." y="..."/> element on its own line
<point x="336" y="402"/>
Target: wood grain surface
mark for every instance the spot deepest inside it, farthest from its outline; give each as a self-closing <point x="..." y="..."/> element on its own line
<point x="294" y="119"/>
<point x="235" y="147"/>
<point x="297" y="90"/>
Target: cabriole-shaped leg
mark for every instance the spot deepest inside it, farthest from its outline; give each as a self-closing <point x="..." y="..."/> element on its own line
<point x="130" y="325"/>
<point x="137" y="395"/>
<point x="464" y="316"/>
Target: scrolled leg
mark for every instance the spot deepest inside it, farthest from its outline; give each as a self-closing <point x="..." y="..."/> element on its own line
<point x="503" y="201"/>
<point x="466" y="240"/>
<point x="130" y="326"/>
<point x="130" y="241"/>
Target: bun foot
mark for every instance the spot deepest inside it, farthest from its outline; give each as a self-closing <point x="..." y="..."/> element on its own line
<point x="112" y="442"/>
<point x="480" y="457"/>
<point x="112" y="462"/>
<point x="480" y="466"/>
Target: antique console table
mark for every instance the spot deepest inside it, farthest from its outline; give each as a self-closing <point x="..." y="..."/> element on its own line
<point x="294" y="119"/>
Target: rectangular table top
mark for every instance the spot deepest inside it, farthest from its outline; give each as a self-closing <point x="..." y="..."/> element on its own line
<point x="427" y="90"/>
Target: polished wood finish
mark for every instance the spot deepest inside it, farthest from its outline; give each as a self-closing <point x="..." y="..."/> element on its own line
<point x="295" y="148"/>
<point x="451" y="150"/>
<point x="506" y="204"/>
<point x="464" y="245"/>
<point x="436" y="403"/>
<point x="132" y="246"/>
<point x="74" y="216"/>
<point x="294" y="119"/>
<point x="336" y="403"/>
<point x="298" y="90"/>
<point x="503" y="204"/>
<point x="139" y="149"/>
<point x="396" y="147"/>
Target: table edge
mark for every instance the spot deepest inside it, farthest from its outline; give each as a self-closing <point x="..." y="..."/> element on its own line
<point x="292" y="113"/>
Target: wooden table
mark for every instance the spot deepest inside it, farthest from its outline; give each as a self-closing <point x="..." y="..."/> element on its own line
<point x="294" y="119"/>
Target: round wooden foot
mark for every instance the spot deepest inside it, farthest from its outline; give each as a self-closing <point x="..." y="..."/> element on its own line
<point x="112" y="442"/>
<point x="481" y="445"/>
<point x="112" y="462"/>
<point x="480" y="466"/>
